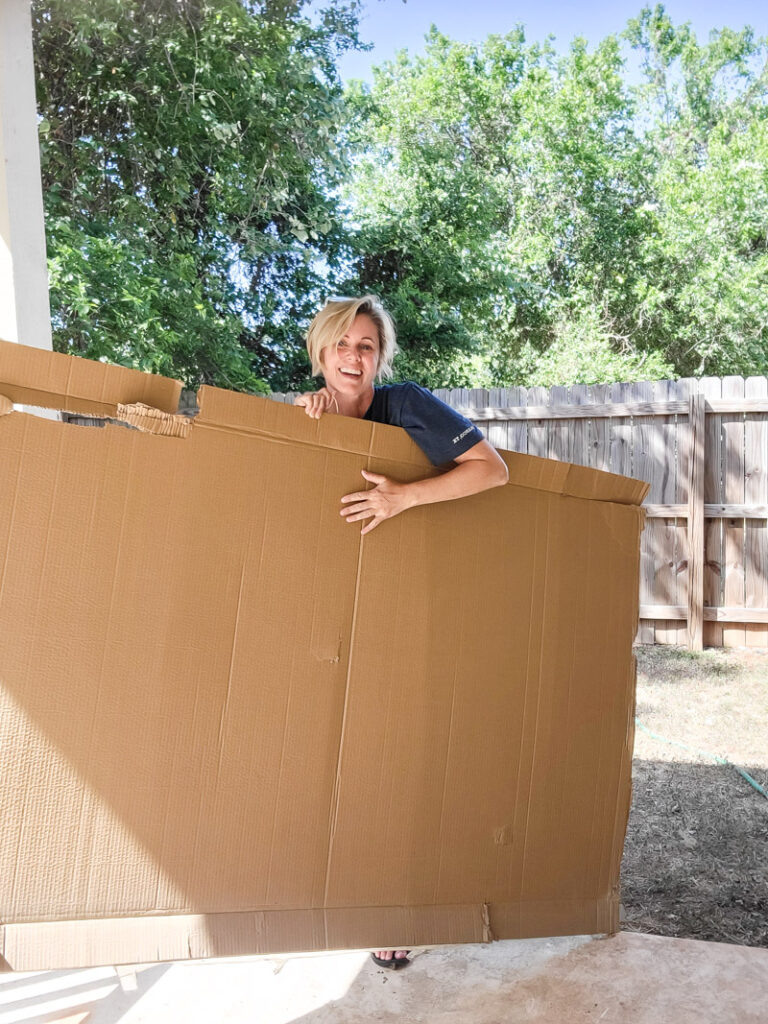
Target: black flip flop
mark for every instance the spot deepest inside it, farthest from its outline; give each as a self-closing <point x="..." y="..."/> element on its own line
<point x="393" y="964"/>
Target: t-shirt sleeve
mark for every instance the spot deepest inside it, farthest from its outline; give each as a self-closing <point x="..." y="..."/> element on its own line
<point x="440" y="431"/>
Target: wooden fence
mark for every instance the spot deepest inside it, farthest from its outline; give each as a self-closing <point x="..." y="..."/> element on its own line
<point x="703" y="447"/>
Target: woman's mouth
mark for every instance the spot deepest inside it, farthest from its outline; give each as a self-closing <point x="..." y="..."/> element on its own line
<point x="352" y="373"/>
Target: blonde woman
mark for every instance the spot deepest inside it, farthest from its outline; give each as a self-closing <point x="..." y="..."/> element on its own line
<point x="351" y="342"/>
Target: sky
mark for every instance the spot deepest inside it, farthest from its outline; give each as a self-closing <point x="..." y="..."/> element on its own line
<point x="393" y="25"/>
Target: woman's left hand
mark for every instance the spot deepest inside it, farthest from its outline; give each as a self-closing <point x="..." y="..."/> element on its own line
<point x="385" y="500"/>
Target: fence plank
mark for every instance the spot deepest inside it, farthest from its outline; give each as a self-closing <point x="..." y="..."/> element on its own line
<point x="733" y="493"/>
<point x="560" y="440"/>
<point x="654" y="560"/>
<point x="679" y="454"/>
<point x="670" y="561"/>
<point x="745" y="615"/>
<point x="710" y="511"/>
<point x="498" y="430"/>
<point x="578" y="395"/>
<point x="620" y="458"/>
<point x="518" y="431"/>
<point x="599" y="433"/>
<point x="712" y="388"/>
<point x="538" y="430"/>
<point x="567" y="412"/>
<point x="479" y="399"/>
<point x="697" y="420"/>
<point x="756" y="492"/>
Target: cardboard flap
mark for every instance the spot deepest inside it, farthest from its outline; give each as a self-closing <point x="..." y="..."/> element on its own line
<point x="582" y="482"/>
<point x="572" y="481"/>
<point x="52" y="380"/>
<point x="253" y="414"/>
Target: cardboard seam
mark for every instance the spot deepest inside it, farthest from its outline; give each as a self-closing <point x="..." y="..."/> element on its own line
<point x="445" y="778"/>
<point x="283" y="439"/>
<point x="429" y="470"/>
<point x="538" y="662"/>
<point x="230" y="672"/>
<point x="334" y="808"/>
<point x="12" y="517"/>
<point x="159" y="915"/>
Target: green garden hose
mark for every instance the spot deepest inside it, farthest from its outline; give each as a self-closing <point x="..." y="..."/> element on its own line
<point x="701" y="753"/>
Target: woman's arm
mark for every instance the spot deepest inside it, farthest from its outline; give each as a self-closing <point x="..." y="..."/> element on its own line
<point x="476" y="470"/>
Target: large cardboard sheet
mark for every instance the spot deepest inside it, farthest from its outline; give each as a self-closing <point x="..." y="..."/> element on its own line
<point x="231" y="725"/>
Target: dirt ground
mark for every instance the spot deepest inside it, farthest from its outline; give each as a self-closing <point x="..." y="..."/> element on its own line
<point x="696" y="856"/>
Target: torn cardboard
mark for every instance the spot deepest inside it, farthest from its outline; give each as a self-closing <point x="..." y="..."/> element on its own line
<point x="231" y="725"/>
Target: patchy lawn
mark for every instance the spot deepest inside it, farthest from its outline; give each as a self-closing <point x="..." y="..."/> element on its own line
<point x="696" y="856"/>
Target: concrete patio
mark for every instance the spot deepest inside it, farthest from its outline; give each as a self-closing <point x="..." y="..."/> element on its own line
<point x="625" y="979"/>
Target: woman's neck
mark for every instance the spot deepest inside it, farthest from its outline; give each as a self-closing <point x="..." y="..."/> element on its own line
<point x="354" y="405"/>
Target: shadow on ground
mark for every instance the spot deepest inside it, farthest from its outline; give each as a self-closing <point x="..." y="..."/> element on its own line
<point x="694" y="861"/>
<point x="73" y="996"/>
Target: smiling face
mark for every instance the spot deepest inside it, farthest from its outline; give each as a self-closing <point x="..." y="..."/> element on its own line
<point x="350" y="365"/>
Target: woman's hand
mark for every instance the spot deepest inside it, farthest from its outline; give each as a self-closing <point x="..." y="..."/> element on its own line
<point x="317" y="402"/>
<point x="476" y="470"/>
<point x="385" y="500"/>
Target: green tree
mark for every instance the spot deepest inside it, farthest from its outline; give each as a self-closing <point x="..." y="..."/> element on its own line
<point x="702" y="277"/>
<point x="190" y="152"/>
<point x="499" y="202"/>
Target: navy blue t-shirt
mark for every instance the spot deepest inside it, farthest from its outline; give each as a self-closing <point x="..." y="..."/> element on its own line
<point x="440" y="431"/>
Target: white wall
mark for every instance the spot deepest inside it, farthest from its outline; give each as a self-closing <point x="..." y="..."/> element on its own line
<point x="24" y="307"/>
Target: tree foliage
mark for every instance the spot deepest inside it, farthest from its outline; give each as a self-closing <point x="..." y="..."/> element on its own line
<point x="190" y="152"/>
<point x="528" y="216"/>
<point x="560" y="224"/>
<point x="702" y="293"/>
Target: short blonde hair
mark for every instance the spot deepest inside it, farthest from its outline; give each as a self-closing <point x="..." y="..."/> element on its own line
<point x="335" y="319"/>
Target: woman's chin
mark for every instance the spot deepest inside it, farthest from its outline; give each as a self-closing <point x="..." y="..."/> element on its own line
<point x="349" y="384"/>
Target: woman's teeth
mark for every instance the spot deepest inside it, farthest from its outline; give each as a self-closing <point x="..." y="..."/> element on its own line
<point x="352" y="373"/>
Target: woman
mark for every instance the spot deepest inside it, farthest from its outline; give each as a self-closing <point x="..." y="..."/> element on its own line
<point x="351" y="342"/>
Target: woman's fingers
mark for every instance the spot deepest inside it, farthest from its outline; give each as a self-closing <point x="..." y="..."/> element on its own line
<point x="377" y="504"/>
<point x="376" y="478"/>
<point x="365" y="495"/>
<point x="363" y="515"/>
<point x="315" y="403"/>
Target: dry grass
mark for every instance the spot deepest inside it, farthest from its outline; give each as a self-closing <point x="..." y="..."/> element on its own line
<point x="696" y="856"/>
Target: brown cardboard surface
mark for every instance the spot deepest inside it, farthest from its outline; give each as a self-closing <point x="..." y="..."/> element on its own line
<point x="232" y="725"/>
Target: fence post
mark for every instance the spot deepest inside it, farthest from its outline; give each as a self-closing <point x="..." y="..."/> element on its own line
<point x="697" y="434"/>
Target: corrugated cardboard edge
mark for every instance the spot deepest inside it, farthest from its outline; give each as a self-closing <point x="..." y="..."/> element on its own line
<point x="289" y="424"/>
<point x="31" y="376"/>
<point x="112" y="941"/>
<point x="154" y="421"/>
<point x="52" y="380"/>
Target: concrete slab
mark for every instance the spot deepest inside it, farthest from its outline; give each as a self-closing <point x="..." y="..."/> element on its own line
<point x="625" y="979"/>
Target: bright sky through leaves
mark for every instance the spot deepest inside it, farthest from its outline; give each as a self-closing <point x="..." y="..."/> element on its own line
<point x="392" y="25"/>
